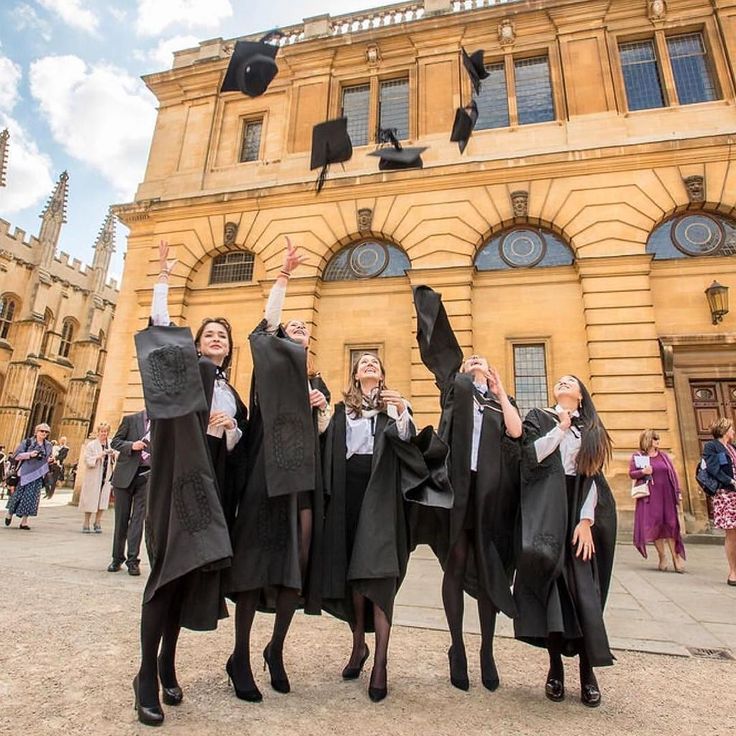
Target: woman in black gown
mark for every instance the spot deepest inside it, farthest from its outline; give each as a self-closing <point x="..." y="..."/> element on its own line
<point x="196" y="471"/>
<point x="568" y="523"/>
<point x="276" y="537"/>
<point x="474" y="541"/>
<point x="366" y="546"/>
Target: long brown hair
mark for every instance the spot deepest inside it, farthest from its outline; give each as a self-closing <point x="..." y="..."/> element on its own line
<point x="223" y="323"/>
<point x="353" y="396"/>
<point x="596" y="446"/>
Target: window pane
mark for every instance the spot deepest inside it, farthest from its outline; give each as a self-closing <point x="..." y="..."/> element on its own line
<point x="641" y="75"/>
<point x="355" y="107"/>
<point x="534" y="90"/>
<point x="692" y="77"/>
<point x="493" y="102"/>
<point x="251" y="150"/>
<point x="530" y="374"/>
<point x="393" y="111"/>
<point x="232" y="267"/>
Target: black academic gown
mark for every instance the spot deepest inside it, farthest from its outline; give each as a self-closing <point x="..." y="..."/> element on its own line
<point x="186" y="532"/>
<point x="380" y="552"/>
<point x="282" y="460"/>
<point x="495" y="504"/>
<point x="555" y="591"/>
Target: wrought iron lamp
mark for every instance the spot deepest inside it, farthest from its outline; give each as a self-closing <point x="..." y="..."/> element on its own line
<point x="717" y="295"/>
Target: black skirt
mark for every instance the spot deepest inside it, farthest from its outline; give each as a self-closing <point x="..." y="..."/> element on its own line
<point x="358" y="473"/>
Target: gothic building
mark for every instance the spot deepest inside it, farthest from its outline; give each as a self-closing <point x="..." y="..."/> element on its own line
<point x="55" y="319"/>
<point x="576" y="233"/>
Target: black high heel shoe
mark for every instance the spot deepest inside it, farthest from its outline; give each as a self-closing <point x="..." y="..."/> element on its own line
<point x="458" y="672"/>
<point x="279" y="678"/>
<point x="377" y="694"/>
<point x="590" y="695"/>
<point x="554" y="688"/>
<point x="489" y="673"/>
<point x="252" y="695"/>
<point x="147" y="716"/>
<point x="352" y="673"/>
<point x="170" y="695"/>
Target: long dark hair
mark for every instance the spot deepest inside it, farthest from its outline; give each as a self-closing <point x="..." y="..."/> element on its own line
<point x="223" y="323"/>
<point x="596" y="446"/>
<point x="353" y="396"/>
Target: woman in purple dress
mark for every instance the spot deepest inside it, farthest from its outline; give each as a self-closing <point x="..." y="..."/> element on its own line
<point x="656" y="518"/>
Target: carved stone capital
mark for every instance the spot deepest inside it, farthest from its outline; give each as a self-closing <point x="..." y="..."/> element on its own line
<point x="657" y="10"/>
<point x="506" y="32"/>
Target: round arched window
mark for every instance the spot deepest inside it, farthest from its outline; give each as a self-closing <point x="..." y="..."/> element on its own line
<point x="523" y="247"/>
<point x="693" y="234"/>
<point x="368" y="259"/>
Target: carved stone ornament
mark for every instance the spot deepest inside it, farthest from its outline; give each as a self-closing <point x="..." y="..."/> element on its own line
<point x="506" y="32"/>
<point x="231" y="231"/>
<point x="695" y="186"/>
<point x="520" y="203"/>
<point x="365" y="220"/>
<point x="373" y="55"/>
<point x="657" y="10"/>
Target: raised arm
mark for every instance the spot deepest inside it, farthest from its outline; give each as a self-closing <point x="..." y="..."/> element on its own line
<point x="160" y="302"/>
<point x="511" y="417"/>
<point x="275" y="304"/>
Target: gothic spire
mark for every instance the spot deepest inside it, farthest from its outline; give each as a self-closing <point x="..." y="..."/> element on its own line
<point x="104" y="248"/>
<point x="106" y="236"/>
<point x="53" y="217"/>
<point x="4" y="138"/>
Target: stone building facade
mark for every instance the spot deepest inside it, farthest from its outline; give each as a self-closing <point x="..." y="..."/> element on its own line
<point x="577" y="233"/>
<point x="55" y="319"/>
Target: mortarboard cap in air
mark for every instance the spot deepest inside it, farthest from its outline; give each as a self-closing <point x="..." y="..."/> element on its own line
<point x="252" y="68"/>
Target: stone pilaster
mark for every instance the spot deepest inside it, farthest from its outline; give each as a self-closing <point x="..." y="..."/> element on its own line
<point x="16" y="400"/>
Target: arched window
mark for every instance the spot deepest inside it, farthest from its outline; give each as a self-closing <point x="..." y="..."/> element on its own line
<point x="8" y="308"/>
<point x="523" y="247"/>
<point x="693" y="234"/>
<point x="367" y="259"/>
<point x="67" y="336"/>
<point x="232" y="268"/>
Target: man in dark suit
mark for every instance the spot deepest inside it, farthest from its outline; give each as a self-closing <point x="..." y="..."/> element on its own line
<point x="129" y="480"/>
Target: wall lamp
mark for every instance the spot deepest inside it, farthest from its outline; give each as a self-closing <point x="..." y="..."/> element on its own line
<point x="717" y="295"/>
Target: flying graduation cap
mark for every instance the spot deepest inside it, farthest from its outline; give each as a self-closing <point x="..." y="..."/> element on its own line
<point x="475" y="67"/>
<point x="331" y="144"/>
<point x="465" y="120"/>
<point x="252" y="67"/>
<point x="394" y="156"/>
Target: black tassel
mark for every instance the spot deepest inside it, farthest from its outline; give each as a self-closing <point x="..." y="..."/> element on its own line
<point x="321" y="178"/>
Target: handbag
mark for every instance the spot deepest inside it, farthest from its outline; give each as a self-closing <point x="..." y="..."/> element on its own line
<point x="639" y="490"/>
<point x="706" y="481"/>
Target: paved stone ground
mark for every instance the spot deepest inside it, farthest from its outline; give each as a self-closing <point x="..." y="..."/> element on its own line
<point x="70" y="651"/>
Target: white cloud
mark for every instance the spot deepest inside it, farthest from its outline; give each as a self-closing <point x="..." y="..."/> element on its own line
<point x="163" y="54"/>
<point x="156" y="15"/>
<point x="26" y="18"/>
<point x="73" y="13"/>
<point x="118" y="13"/>
<point x="99" y="114"/>
<point x="10" y="76"/>
<point x="28" y="180"/>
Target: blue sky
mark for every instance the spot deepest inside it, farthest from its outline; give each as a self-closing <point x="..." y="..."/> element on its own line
<point x="72" y="98"/>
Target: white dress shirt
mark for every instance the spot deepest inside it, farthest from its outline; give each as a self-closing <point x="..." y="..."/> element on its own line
<point x="223" y="398"/>
<point x="568" y="442"/>
<point x="477" y="426"/>
<point x="360" y="431"/>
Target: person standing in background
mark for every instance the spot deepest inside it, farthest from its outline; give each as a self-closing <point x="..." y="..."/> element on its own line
<point x="94" y="498"/>
<point x="130" y="480"/>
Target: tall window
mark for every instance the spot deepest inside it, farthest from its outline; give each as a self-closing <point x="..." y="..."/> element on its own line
<point x="233" y="267"/>
<point x="493" y="101"/>
<point x="530" y="377"/>
<point x="690" y="68"/>
<point x="356" y="103"/>
<point x="7" y="312"/>
<point x="641" y="75"/>
<point x="67" y="336"/>
<point x="685" y="56"/>
<point x="393" y="106"/>
<point x="251" y="148"/>
<point x="534" y="90"/>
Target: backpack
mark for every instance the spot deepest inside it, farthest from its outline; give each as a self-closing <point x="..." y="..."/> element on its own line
<point x="705" y="480"/>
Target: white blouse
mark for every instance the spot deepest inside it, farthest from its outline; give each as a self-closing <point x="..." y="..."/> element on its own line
<point x="360" y="431"/>
<point x="568" y="442"/>
<point x="223" y="398"/>
<point x="477" y="426"/>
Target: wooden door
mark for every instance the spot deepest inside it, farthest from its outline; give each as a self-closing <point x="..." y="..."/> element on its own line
<point x="711" y="400"/>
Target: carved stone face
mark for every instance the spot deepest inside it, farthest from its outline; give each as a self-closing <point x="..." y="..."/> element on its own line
<point x="520" y="203"/>
<point x="657" y="8"/>
<point x="365" y="219"/>
<point x="506" y="32"/>
<point x="695" y="186"/>
<point x="231" y="230"/>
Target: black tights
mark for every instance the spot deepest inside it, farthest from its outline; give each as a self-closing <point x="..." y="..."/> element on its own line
<point x="287" y="600"/>
<point x="160" y="627"/>
<point x="556" y="670"/>
<point x="453" y="601"/>
<point x="383" y="631"/>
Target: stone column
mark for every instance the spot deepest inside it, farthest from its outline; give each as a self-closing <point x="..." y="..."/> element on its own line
<point x="456" y="287"/>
